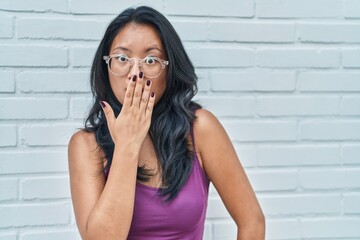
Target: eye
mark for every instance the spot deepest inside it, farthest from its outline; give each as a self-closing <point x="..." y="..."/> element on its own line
<point x="122" y="58"/>
<point x="150" y="60"/>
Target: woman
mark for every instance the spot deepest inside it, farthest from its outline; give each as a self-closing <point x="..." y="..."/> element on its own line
<point x="135" y="170"/>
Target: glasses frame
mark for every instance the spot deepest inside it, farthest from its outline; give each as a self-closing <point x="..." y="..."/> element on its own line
<point x="107" y="59"/>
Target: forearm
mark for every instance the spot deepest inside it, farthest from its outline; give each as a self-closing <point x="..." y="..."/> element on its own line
<point x="255" y="231"/>
<point x="112" y="215"/>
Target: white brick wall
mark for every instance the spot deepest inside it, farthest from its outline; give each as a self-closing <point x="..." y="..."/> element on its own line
<point x="282" y="76"/>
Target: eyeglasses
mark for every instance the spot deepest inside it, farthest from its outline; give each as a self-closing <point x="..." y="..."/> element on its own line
<point x="120" y="64"/>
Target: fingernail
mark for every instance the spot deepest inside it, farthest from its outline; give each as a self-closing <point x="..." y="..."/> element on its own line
<point x="140" y="74"/>
<point x="134" y="78"/>
<point x="102" y="104"/>
<point x="152" y="94"/>
<point x="148" y="82"/>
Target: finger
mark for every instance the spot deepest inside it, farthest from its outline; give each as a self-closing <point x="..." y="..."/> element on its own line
<point x="109" y="113"/>
<point x="150" y="105"/>
<point x="138" y="91"/>
<point x="129" y="92"/>
<point x="145" y="96"/>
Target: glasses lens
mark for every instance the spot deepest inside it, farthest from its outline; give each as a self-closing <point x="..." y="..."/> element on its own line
<point x="119" y="65"/>
<point x="151" y="67"/>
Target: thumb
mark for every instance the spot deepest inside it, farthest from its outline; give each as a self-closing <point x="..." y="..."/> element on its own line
<point x="109" y="113"/>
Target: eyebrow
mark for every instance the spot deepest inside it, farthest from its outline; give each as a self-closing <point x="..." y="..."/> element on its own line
<point x="147" y="50"/>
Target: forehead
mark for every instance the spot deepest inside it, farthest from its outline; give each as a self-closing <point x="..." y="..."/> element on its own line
<point x="137" y="38"/>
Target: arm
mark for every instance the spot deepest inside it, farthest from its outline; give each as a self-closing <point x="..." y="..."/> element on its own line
<point x="224" y="169"/>
<point x="104" y="211"/>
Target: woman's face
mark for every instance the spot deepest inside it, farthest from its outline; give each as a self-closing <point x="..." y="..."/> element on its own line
<point x="137" y="41"/>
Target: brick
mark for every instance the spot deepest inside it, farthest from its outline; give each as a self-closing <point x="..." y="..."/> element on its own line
<point x="330" y="130"/>
<point x="203" y="81"/>
<point x="258" y="80"/>
<point x="33" y="56"/>
<point x="45" y="188"/>
<point x="56" y="28"/>
<point x="351" y="203"/>
<point x="8" y="189"/>
<point x="297" y="105"/>
<point x="37" y="6"/>
<point x="83" y="56"/>
<point x="329" y="33"/>
<point x="221" y="57"/>
<point x="53" y="235"/>
<point x="330" y="179"/>
<point x="273" y="180"/>
<point x="298" y="9"/>
<point x="8" y="236"/>
<point x="329" y="81"/>
<point x="351" y="58"/>
<point x="191" y="30"/>
<point x="246" y="155"/>
<point x="243" y="8"/>
<point x="207" y="231"/>
<point x="6" y="27"/>
<point x="330" y="228"/>
<point x="21" y="215"/>
<point x="298" y="58"/>
<point x="260" y="32"/>
<point x="350" y="106"/>
<point x="80" y="107"/>
<point x="351" y="153"/>
<point x="54" y="81"/>
<point x="8" y="135"/>
<point x="298" y="155"/>
<point x="47" y="135"/>
<point x="7" y="82"/>
<point x="216" y="209"/>
<point x="224" y="230"/>
<point x="18" y="162"/>
<point x="278" y="229"/>
<point x="351" y="9"/>
<point x="228" y="106"/>
<point x="261" y="130"/>
<point x="33" y="108"/>
<point x="301" y="204"/>
<point x="109" y="6"/>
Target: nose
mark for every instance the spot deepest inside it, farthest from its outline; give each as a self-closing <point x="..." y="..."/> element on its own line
<point x="134" y="68"/>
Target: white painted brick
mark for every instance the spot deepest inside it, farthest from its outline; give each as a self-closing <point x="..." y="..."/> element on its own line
<point x="191" y="30"/>
<point x="329" y="33"/>
<point x="297" y="105"/>
<point x="221" y="57"/>
<point x="273" y="180"/>
<point x="350" y="106"/>
<point x="260" y="32"/>
<point x="329" y="81"/>
<point x="7" y="82"/>
<point x="32" y="56"/>
<point x="246" y="155"/>
<point x="8" y="189"/>
<point x="351" y="153"/>
<point x="278" y="229"/>
<point x="216" y="209"/>
<point x="325" y="228"/>
<point x="298" y="9"/>
<point x="45" y="188"/>
<point x="37" y="6"/>
<point x="56" y="28"/>
<point x="330" y="179"/>
<point x="33" y="108"/>
<point x="301" y="204"/>
<point x="330" y="130"/>
<point x="6" y="27"/>
<point x="49" y="161"/>
<point x="351" y="8"/>
<point x="203" y="81"/>
<point x="83" y="56"/>
<point x="80" y="107"/>
<point x="54" y="81"/>
<point x="300" y="58"/>
<point x="110" y="6"/>
<point x="351" y="58"/>
<point x="298" y="155"/>
<point x="8" y="136"/>
<point x="53" y="235"/>
<point x="18" y="215"/>
<point x="224" y="230"/>
<point x="8" y="236"/>
<point x="351" y="203"/>
<point x="261" y="130"/>
<point x="243" y="8"/>
<point x="47" y="135"/>
<point x="258" y="80"/>
<point x="228" y="106"/>
<point x="207" y="231"/>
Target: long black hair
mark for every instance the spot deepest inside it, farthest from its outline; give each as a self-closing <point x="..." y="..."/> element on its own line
<point x="172" y="116"/>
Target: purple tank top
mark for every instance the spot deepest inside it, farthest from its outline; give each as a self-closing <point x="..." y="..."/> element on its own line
<point x="182" y="218"/>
